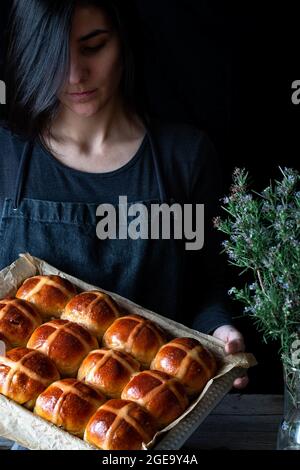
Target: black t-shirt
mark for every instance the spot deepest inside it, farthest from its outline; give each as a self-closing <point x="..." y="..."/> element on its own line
<point x="191" y="175"/>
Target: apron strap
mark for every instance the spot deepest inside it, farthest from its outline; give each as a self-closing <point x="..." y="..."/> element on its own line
<point x="28" y="147"/>
<point x="157" y="167"/>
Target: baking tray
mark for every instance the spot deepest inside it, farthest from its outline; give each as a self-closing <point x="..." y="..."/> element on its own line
<point x="31" y="431"/>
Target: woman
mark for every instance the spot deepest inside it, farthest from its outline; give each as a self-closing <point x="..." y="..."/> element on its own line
<point x="77" y="137"/>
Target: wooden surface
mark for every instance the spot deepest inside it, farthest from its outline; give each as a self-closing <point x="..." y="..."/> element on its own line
<point x="248" y="422"/>
<point x="239" y="422"/>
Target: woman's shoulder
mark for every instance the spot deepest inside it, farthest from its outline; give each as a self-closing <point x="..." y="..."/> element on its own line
<point x="180" y="132"/>
<point x="187" y="153"/>
<point x="184" y="145"/>
<point x="4" y="127"/>
<point x="4" y="130"/>
<point x="8" y="136"/>
<point x="8" y="160"/>
<point x="11" y="148"/>
<point x="11" y="145"/>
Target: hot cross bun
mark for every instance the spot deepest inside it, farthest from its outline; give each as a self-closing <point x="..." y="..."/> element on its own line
<point x="66" y="343"/>
<point x="24" y="374"/>
<point x="49" y="294"/>
<point x="137" y="336"/>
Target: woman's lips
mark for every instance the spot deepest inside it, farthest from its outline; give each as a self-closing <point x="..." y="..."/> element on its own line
<point x="81" y="96"/>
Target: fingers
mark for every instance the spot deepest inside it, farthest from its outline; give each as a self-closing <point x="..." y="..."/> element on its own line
<point x="233" y="339"/>
<point x="235" y="345"/>
<point x="241" y="382"/>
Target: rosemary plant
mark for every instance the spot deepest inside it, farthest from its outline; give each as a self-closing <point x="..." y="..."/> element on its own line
<point x="263" y="236"/>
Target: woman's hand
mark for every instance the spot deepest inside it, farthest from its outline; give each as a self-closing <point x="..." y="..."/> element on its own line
<point x="234" y="343"/>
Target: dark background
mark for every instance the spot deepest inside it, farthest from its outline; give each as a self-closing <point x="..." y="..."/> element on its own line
<point x="226" y="67"/>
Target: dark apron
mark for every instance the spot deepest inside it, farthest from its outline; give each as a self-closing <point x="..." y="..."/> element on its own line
<point x="148" y="272"/>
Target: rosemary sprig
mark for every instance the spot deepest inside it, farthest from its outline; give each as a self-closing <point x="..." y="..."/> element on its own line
<point x="263" y="237"/>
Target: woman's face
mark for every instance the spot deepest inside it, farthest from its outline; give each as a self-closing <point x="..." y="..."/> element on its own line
<point x="95" y="62"/>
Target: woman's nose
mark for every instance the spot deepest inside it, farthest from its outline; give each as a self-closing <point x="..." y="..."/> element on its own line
<point x="78" y="72"/>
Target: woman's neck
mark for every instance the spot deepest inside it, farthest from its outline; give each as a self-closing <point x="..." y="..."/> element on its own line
<point x="87" y="134"/>
<point x="100" y="143"/>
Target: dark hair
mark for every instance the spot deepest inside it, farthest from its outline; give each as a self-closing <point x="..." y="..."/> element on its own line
<point x="37" y="60"/>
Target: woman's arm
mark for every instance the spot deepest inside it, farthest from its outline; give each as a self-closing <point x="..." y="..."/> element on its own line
<point x="205" y="269"/>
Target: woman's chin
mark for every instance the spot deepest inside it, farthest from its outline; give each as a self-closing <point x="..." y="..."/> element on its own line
<point x="88" y="108"/>
<point x="85" y="110"/>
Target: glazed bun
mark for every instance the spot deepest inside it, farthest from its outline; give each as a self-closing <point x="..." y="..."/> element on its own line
<point x="18" y="320"/>
<point x="69" y="404"/>
<point x="49" y="294"/>
<point x="120" y="425"/>
<point x="108" y="370"/>
<point x="94" y="310"/>
<point x="24" y="374"/>
<point x="66" y="343"/>
<point x="187" y="360"/>
<point x="137" y="336"/>
<point x="162" y="395"/>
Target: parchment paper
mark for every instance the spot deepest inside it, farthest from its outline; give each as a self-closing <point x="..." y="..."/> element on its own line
<point x="31" y="431"/>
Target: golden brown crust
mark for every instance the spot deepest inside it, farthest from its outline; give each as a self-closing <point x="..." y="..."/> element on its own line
<point x="162" y="395"/>
<point x="108" y="370"/>
<point x="66" y="343"/>
<point x="94" y="310"/>
<point x="137" y="336"/>
<point x="187" y="360"/>
<point x="49" y="294"/>
<point x="18" y="320"/>
<point x="120" y="425"/>
<point x="69" y="404"/>
<point x="24" y="374"/>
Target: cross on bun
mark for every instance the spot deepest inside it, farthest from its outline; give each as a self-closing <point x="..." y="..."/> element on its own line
<point x="69" y="404"/>
<point x="187" y="360"/>
<point x="94" y="310"/>
<point x="24" y="374"/>
<point x="49" y="294"/>
<point x="66" y="343"/>
<point x="137" y="336"/>
<point x="120" y="425"/>
<point x="108" y="370"/>
<point x="162" y="395"/>
<point x="18" y="320"/>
